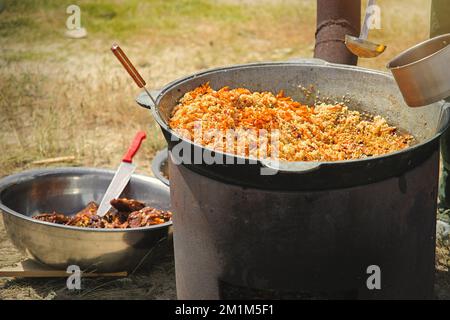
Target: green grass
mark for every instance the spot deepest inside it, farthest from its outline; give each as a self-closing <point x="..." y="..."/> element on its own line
<point x="121" y="19"/>
<point x="10" y="27"/>
<point x="131" y="16"/>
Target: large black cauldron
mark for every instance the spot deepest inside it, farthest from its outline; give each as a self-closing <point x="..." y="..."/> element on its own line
<point x="312" y="229"/>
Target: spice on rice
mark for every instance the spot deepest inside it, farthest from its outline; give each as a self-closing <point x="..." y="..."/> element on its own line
<point x="306" y="133"/>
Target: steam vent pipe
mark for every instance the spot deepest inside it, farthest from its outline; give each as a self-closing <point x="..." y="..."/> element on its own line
<point x="335" y="19"/>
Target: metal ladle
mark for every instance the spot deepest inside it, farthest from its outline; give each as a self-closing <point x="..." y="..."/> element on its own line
<point x="361" y="47"/>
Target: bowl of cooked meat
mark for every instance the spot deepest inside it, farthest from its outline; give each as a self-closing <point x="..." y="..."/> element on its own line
<point x="50" y="214"/>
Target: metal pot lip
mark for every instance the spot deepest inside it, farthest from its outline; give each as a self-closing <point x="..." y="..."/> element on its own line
<point x="318" y="63"/>
<point x="30" y="174"/>
<point x="321" y="163"/>
<point x="415" y="62"/>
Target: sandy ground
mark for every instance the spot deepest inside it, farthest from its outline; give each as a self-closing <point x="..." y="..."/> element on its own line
<point x="154" y="280"/>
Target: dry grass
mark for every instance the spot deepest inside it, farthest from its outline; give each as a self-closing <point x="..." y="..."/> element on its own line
<point x="63" y="97"/>
<point x="442" y="269"/>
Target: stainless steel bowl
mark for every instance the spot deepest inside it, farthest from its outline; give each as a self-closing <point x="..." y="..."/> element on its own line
<point x="69" y="190"/>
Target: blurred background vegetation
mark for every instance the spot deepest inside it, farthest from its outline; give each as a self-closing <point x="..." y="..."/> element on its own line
<point x="69" y="97"/>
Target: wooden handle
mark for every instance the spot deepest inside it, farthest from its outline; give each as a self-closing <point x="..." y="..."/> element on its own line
<point x="135" y="145"/>
<point x="128" y="65"/>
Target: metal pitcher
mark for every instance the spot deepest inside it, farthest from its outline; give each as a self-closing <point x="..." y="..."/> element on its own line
<point x="423" y="72"/>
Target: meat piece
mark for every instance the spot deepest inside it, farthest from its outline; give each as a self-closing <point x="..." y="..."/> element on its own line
<point x="86" y="217"/>
<point x="116" y="217"/>
<point x="148" y="216"/>
<point x="127" y="205"/>
<point x="90" y="209"/>
<point x="116" y="220"/>
<point x="96" y="222"/>
<point x="116" y="225"/>
<point x="80" y="220"/>
<point x="133" y="214"/>
<point x="87" y="220"/>
<point x="52" y="217"/>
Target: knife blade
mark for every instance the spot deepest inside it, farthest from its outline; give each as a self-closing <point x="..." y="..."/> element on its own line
<point x="122" y="175"/>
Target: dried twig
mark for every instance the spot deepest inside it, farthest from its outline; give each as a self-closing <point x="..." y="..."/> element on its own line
<point x="55" y="160"/>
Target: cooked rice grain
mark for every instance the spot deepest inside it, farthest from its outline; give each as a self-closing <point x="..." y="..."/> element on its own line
<point x="318" y="133"/>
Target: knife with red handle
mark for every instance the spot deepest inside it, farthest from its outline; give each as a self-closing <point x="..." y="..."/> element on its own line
<point x="122" y="175"/>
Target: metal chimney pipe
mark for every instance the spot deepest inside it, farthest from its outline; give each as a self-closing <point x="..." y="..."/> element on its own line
<point x="335" y="19"/>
